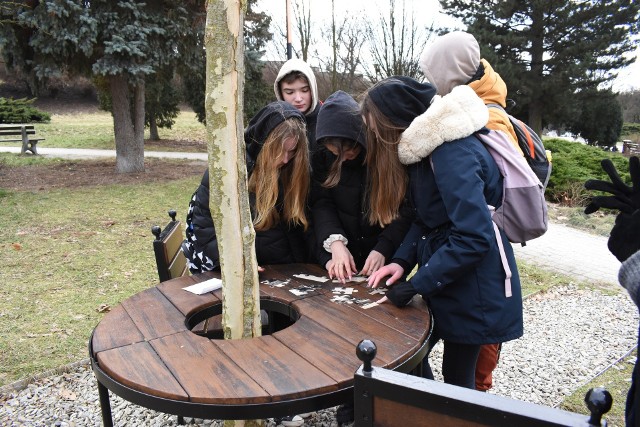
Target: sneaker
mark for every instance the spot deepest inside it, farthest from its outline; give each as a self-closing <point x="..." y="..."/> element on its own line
<point x="291" y="421"/>
<point x="306" y="414"/>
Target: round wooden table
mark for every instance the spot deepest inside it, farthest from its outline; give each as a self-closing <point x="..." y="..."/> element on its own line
<point x="144" y="349"/>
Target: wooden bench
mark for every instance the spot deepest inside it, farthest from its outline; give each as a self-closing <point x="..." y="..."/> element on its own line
<point x="25" y="132"/>
<point x="170" y="260"/>
<point x="385" y="398"/>
<point x="145" y="350"/>
<point x="630" y="148"/>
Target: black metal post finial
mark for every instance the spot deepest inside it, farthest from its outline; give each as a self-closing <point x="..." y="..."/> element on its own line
<point x="366" y="352"/>
<point x="172" y="214"/>
<point x="156" y="230"/>
<point x="598" y="402"/>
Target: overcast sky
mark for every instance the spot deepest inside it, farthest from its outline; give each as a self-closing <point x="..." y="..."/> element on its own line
<point x="426" y="13"/>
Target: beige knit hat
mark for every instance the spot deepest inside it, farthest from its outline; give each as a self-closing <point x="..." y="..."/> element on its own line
<point x="450" y="61"/>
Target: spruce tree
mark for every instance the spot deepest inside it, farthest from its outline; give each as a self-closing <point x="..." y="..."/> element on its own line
<point x="122" y="42"/>
<point x="546" y="50"/>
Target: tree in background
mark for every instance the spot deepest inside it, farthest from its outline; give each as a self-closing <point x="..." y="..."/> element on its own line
<point x="257" y="92"/>
<point x="547" y="50"/>
<point x="340" y="70"/>
<point x="14" y="44"/>
<point x="302" y="16"/>
<point x="395" y="43"/>
<point x="630" y="102"/>
<point x="161" y="102"/>
<point x="600" y="118"/>
<point x="122" y="42"/>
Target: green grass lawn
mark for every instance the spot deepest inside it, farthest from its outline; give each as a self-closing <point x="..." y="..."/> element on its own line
<point x="95" y="130"/>
<point x="65" y="254"/>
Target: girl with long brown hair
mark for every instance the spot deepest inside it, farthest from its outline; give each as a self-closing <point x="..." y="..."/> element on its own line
<point x="348" y="242"/>
<point x="279" y="179"/>
<point x="428" y="142"/>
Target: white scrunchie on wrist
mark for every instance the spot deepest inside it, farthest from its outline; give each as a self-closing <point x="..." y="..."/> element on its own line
<point x="333" y="238"/>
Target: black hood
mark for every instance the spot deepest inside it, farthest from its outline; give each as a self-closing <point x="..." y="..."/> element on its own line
<point x="340" y="117"/>
<point x="401" y="99"/>
<point x="263" y="123"/>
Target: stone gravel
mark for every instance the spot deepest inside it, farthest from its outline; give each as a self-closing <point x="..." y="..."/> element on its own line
<point x="571" y="335"/>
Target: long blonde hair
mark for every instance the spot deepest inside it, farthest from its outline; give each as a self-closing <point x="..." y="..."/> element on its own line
<point x="294" y="176"/>
<point x="387" y="177"/>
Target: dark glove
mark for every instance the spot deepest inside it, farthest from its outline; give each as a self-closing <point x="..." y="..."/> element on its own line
<point x="401" y="293"/>
<point x="624" y="240"/>
<point x="625" y="199"/>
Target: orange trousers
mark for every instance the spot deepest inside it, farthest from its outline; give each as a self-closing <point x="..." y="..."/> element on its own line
<point x="487" y="362"/>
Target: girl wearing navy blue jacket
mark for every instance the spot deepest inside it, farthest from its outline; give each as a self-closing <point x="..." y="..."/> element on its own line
<point x="425" y="144"/>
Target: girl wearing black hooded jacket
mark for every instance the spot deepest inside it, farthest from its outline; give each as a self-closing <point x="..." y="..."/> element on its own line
<point x="347" y="242"/>
<point x="279" y="177"/>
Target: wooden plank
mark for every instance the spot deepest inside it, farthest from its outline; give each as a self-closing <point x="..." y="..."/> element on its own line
<point x="172" y="242"/>
<point x="116" y="320"/>
<point x="15" y="126"/>
<point x="352" y="325"/>
<point x="139" y="367"/>
<point x="389" y="413"/>
<point x="280" y="371"/>
<point x="186" y="302"/>
<point x="17" y="131"/>
<point x="329" y="352"/>
<point x="153" y="314"/>
<point x="178" y="266"/>
<point x="206" y="373"/>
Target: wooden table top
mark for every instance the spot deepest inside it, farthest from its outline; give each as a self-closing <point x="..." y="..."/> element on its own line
<point x="145" y="344"/>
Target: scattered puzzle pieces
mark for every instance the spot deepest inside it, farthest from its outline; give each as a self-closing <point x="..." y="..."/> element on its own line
<point x="379" y="291"/>
<point x="274" y="283"/>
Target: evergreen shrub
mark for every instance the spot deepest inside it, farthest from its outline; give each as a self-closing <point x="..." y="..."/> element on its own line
<point x="21" y="111"/>
<point x="573" y="164"/>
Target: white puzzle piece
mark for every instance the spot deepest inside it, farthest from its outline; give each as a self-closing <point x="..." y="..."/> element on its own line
<point x="320" y="279"/>
<point x="368" y="306"/>
<point x="344" y="291"/>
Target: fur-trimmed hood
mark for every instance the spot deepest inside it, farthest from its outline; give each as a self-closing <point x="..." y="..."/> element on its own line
<point x="450" y="117"/>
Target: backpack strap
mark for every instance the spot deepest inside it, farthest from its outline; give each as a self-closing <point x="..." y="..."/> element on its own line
<point x="525" y="131"/>
<point x="532" y="148"/>
<point x="503" y="255"/>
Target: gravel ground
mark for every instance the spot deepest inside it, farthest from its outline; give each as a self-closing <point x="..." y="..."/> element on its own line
<point x="571" y="335"/>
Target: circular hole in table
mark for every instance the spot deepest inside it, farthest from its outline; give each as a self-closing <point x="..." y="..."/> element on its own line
<point x="275" y="316"/>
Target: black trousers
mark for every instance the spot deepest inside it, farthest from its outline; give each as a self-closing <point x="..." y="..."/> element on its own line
<point x="458" y="362"/>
